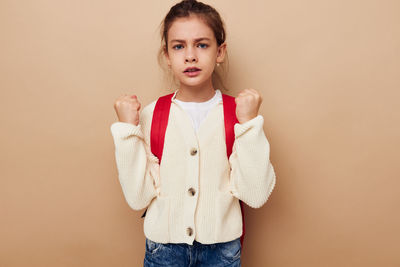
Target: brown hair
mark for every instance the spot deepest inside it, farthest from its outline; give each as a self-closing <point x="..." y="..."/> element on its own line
<point x="211" y="17"/>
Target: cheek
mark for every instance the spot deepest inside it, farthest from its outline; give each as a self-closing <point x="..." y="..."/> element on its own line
<point x="210" y="57"/>
<point x="210" y="60"/>
<point x="176" y="57"/>
<point x="174" y="62"/>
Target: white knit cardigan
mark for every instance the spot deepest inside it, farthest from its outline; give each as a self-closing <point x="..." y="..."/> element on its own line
<point x="212" y="213"/>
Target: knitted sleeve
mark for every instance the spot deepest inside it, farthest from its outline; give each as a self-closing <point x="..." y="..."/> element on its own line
<point x="138" y="168"/>
<point x="252" y="176"/>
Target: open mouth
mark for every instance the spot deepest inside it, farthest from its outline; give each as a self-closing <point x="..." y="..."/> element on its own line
<point x="192" y="69"/>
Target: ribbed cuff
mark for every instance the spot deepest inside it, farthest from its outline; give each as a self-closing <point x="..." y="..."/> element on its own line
<point x="241" y="128"/>
<point x="124" y="130"/>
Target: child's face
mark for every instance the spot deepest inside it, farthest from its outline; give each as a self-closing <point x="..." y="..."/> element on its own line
<point x="186" y="49"/>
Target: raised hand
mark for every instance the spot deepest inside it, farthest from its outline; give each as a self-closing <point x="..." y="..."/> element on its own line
<point x="247" y="105"/>
<point x="127" y="108"/>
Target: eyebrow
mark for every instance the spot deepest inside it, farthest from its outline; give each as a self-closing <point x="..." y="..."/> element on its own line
<point x="196" y="40"/>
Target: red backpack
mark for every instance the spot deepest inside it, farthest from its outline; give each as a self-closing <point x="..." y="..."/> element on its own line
<point x="159" y="126"/>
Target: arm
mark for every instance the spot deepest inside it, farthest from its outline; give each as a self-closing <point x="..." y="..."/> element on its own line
<point x="252" y="176"/>
<point x="138" y="168"/>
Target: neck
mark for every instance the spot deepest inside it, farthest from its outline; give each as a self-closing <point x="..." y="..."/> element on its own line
<point x="199" y="93"/>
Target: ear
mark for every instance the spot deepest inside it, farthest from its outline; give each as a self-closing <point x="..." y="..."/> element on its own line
<point x="221" y="53"/>
<point x="166" y="56"/>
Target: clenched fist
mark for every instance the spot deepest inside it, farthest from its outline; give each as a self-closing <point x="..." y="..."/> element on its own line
<point x="247" y="104"/>
<point x="127" y="108"/>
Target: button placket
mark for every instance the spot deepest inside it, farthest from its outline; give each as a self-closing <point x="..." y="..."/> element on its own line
<point x="192" y="187"/>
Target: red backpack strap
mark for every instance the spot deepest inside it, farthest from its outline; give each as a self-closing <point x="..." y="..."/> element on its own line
<point x="159" y="126"/>
<point x="230" y="120"/>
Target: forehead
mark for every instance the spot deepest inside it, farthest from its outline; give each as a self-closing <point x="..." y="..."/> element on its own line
<point x="189" y="28"/>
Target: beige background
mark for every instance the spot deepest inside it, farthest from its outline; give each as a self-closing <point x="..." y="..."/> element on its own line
<point x="329" y="74"/>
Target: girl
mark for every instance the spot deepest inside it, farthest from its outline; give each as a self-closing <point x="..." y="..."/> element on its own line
<point x="193" y="216"/>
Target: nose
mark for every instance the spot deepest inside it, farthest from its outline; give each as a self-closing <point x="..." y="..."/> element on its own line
<point x="190" y="60"/>
<point x="190" y="56"/>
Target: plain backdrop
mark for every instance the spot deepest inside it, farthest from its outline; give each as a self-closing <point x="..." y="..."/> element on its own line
<point x="329" y="75"/>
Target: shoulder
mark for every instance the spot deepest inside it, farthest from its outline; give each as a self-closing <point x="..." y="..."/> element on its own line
<point x="227" y="95"/>
<point x="149" y="108"/>
<point x="147" y="112"/>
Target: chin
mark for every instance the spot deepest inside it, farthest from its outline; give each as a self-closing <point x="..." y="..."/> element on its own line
<point x="192" y="81"/>
<point x="191" y="84"/>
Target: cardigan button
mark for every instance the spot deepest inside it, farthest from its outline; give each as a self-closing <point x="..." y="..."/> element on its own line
<point x="192" y="191"/>
<point x="189" y="231"/>
<point x="193" y="151"/>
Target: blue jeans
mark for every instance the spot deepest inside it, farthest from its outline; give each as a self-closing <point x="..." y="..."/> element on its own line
<point x="185" y="255"/>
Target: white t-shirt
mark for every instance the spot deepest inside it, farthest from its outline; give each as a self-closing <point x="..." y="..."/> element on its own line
<point x="198" y="110"/>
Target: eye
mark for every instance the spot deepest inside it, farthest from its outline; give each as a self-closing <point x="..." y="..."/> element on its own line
<point x="203" y="45"/>
<point x="176" y="47"/>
